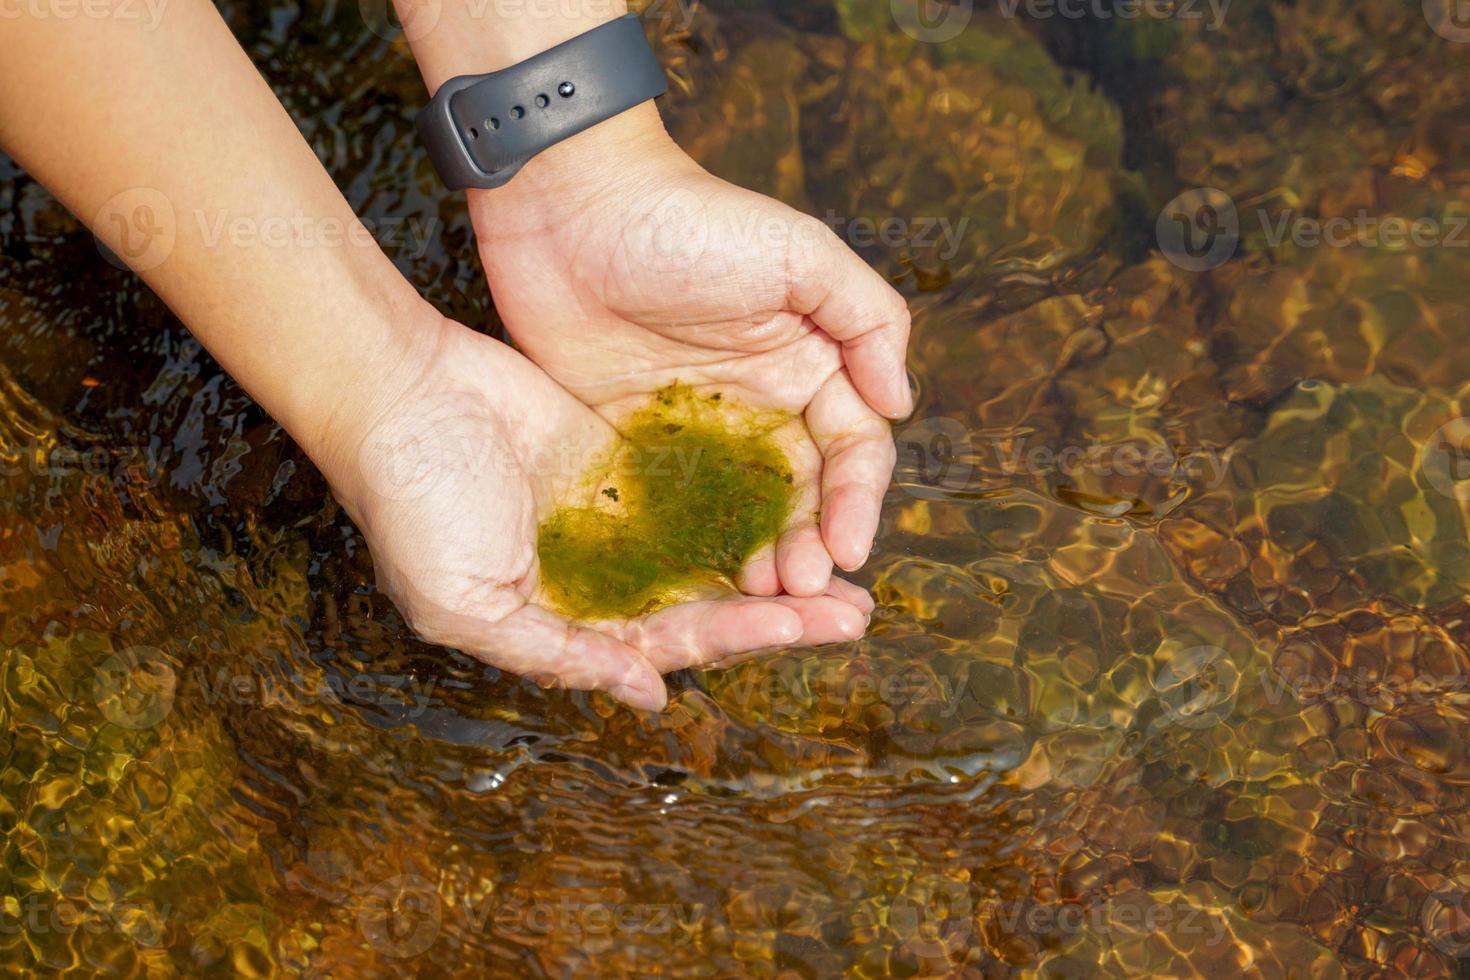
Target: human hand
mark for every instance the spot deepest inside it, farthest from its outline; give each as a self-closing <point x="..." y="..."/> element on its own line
<point x="619" y="265"/>
<point x="448" y="473"/>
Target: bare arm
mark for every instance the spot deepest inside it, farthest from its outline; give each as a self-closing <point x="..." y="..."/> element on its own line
<point x="166" y="140"/>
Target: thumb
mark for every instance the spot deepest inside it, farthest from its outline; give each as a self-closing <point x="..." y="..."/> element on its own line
<point x="554" y="652"/>
<point x="854" y="305"/>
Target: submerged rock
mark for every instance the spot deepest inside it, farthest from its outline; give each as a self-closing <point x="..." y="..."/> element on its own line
<point x="1069" y="626"/>
<point x="1306" y="109"/>
<point x="1343" y="314"/>
<point x="1352" y="494"/>
<point x="978" y="157"/>
<point x="734" y="108"/>
<point x="1150" y="421"/>
<point x="984" y="130"/>
<point x="1111" y="400"/>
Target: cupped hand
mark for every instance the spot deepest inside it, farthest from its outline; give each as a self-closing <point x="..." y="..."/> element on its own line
<point x="619" y="266"/>
<point x="448" y="472"/>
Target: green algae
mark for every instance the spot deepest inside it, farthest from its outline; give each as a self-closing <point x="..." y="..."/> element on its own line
<point x="697" y="486"/>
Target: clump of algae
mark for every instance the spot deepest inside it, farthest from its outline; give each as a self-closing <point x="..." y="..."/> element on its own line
<point x="697" y="486"/>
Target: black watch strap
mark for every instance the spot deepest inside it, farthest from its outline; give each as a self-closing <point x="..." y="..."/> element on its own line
<point x="481" y="129"/>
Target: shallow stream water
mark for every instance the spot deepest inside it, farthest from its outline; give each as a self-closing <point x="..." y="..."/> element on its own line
<point x="1170" y="673"/>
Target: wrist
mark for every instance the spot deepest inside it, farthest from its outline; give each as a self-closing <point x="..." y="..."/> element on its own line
<point x="465" y="40"/>
<point x="612" y="158"/>
<point x="398" y="347"/>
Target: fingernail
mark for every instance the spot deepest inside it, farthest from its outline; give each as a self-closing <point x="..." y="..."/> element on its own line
<point x="907" y="396"/>
<point x="641" y="698"/>
<point x="863" y="558"/>
<point x="789" y="630"/>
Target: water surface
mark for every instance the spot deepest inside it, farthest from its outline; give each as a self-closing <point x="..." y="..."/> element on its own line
<point x="1169" y="671"/>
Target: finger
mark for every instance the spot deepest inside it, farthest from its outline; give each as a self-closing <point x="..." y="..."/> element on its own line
<point x="550" y="650"/>
<point x="827" y="619"/>
<point x="802" y="564"/>
<point x="701" y="632"/>
<point x="824" y="619"/>
<point x="759" y="577"/>
<point x="858" y="459"/>
<point x="697" y="634"/>
<point x="802" y="561"/>
<point x="855" y="305"/>
<point x="853" y="595"/>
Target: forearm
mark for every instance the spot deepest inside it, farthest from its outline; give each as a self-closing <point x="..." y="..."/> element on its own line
<point x="171" y="146"/>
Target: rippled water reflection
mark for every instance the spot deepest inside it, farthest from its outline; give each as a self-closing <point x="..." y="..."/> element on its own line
<point x="1169" y="674"/>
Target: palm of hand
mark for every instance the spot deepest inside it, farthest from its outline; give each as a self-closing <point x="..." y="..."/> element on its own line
<point x="679" y="276"/>
<point x="452" y="483"/>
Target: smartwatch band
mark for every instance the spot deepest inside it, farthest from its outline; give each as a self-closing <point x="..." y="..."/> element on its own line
<point x="481" y="129"/>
